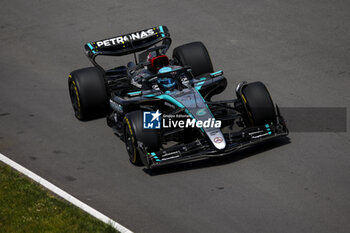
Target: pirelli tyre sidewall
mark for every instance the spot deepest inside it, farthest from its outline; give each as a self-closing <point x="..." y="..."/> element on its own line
<point x="134" y="133"/>
<point x="196" y="56"/>
<point x="130" y="142"/>
<point x="88" y="93"/>
<point x="258" y="104"/>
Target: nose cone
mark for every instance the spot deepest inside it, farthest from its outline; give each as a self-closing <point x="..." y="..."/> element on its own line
<point x="217" y="139"/>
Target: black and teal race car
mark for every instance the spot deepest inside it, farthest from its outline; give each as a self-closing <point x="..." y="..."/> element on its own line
<point x="162" y="108"/>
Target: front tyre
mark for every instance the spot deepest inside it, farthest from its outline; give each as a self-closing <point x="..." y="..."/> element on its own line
<point x="134" y="133"/>
<point x="130" y="142"/>
<point x="258" y="104"/>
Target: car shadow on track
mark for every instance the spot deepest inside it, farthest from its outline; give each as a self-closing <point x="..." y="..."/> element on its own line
<point x="217" y="161"/>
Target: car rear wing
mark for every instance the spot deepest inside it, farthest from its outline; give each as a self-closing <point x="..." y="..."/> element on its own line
<point x="128" y="43"/>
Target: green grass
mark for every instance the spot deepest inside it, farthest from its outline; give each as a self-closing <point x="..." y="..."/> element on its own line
<point x="25" y="206"/>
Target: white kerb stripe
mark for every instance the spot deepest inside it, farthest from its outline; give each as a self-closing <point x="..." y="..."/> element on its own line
<point x="64" y="194"/>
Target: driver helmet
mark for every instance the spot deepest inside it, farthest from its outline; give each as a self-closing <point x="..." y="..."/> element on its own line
<point x="166" y="83"/>
<point x="157" y="61"/>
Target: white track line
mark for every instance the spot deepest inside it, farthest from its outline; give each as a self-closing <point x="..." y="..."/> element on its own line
<point x="64" y="194"/>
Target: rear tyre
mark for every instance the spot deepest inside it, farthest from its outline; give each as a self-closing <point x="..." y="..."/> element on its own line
<point x="259" y="106"/>
<point x="88" y="93"/>
<point x="134" y="133"/>
<point x="195" y="55"/>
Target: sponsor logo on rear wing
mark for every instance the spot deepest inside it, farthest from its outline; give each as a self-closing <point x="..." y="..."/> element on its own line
<point x="128" y="43"/>
<point x="122" y="39"/>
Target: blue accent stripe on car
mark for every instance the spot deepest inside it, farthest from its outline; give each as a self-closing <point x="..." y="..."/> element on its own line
<point x="171" y="100"/>
<point x="150" y="95"/>
<point x="92" y="48"/>
<point x="217" y="72"/>
<point x="199" y="85"/>
<point x="162" y="31"/>
<point x="190" y="114"/>
<point x="134" y="93"/>
<point x="203" y="78"/>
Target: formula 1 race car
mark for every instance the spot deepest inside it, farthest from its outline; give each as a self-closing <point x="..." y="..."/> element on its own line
<point x="162" y="108"/>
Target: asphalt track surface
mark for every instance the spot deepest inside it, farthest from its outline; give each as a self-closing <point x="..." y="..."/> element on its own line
<point x="299" y="49"/>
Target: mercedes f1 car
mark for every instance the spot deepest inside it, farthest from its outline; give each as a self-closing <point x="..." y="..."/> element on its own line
<point x="160" y="107"/>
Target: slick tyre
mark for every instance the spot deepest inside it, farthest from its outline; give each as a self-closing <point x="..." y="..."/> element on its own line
<point x="88" y="93"/>
<point x="259" y="106"/>
<point x="196" y="56"/>
<point x="134" y="133"/>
